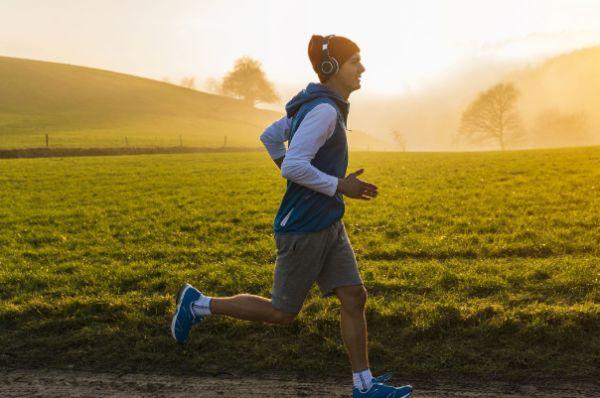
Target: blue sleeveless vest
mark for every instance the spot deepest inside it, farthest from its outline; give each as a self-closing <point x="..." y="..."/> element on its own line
<point x="303" y="210"/>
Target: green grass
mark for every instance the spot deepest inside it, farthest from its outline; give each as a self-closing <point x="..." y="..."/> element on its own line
<point x="477" y="264"/>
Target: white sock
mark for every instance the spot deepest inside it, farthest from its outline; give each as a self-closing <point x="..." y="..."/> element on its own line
<point x="201" y="307"/>
<point x="363" y="380"/>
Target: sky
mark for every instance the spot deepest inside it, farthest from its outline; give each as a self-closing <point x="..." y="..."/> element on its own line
<point x="406" y="46"/>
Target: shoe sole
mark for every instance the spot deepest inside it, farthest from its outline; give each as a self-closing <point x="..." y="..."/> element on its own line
<point x="178" y="301"/>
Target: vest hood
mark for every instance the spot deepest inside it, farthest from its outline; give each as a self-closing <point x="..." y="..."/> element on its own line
<point x="314" y="91"/>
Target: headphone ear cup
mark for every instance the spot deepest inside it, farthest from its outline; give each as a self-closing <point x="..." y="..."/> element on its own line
<point x="327" y="67"/>
<point x="336" y="66"/>
<point x="330" y="66"/>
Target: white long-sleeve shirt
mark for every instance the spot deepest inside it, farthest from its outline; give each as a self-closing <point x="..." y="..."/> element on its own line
<point x="317" y="126"/>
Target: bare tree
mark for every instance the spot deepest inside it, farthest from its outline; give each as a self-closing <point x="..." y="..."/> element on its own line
<point x="400" y="139"/>
<point x="493" y="116"/>
<point x="556" y="128"/>
<point x="248" y="82"/>
<point x="188" y="82"/>
<point x="213" y="85"/>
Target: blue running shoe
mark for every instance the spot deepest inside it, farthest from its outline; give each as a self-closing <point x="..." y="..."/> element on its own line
<point x="184" y="317"/>
<point x="384" y="378"/>
<point x="379" y="390"/>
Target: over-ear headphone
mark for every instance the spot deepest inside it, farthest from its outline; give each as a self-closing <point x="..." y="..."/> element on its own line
<point x="329" y="65"/>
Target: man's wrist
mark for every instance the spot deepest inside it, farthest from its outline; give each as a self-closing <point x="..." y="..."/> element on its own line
<point x="340" y="185"/>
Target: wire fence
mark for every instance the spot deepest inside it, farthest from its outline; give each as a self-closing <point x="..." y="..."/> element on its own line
<point x="60" y="140"/>
<point x="47" y="146"/>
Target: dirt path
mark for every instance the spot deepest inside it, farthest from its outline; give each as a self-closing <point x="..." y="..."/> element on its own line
<point x="55" y="383"/>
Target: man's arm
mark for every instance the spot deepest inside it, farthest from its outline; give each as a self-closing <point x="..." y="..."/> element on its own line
<point x="279" y="161"/>
<point x="274" y="137"/>
<point x="316" y="127"/>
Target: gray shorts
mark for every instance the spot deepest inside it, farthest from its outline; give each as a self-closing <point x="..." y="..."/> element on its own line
<point x="325" y="257"/>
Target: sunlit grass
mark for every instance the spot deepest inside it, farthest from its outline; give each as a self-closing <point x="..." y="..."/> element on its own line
<point x="476" y="263"/>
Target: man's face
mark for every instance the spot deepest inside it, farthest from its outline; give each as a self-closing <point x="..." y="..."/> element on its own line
<point x="349" y="73"/>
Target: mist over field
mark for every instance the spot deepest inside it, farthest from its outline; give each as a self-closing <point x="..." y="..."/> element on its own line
<point x="429" y="117"/>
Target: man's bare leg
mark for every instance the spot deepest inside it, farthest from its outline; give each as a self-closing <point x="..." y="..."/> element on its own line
<point x="353" y="325"/>
<point x="251" y="308"/>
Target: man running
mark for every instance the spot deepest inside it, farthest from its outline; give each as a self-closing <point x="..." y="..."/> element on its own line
<point x="312" y="244"/>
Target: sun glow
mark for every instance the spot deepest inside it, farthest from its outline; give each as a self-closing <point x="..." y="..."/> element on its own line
<point x="404" y="45"/>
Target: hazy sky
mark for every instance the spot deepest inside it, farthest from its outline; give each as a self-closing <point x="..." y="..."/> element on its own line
<point x="405" y="45"/>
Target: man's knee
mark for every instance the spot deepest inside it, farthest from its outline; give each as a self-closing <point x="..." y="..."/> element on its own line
<point x="352" y="298"/>
<point x="282" y="318"/>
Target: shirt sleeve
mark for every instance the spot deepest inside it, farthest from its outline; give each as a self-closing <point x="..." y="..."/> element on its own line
<point x="274" y="137"/>
<point x="316" y="127"/>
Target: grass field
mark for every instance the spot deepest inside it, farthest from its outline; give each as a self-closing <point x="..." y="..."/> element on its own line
<point x="477" y="264"/>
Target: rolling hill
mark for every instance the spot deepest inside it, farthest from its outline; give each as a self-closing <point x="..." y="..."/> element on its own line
<point x="85" y="107"/>
<point x="80" y="106"/>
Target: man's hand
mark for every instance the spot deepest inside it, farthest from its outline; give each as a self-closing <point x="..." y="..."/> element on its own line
<point x="352" y="187"/>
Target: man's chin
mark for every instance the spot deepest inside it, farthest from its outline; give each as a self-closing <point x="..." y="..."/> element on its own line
<point x="354" y="86"/>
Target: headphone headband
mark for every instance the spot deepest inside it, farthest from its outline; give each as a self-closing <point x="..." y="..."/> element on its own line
<point x="329" y="65"/>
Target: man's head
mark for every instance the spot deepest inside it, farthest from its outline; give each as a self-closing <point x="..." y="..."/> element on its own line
<point x="342" y="51"/>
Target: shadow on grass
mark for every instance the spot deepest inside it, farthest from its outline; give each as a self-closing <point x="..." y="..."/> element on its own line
<point x="442" y="339"/>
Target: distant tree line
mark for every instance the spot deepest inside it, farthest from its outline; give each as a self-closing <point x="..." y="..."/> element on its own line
<point x="493" y="116"/>
<point x="246" y="81"/>
<point x="188" y="82"/>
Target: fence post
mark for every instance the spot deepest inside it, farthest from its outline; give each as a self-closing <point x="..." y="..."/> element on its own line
<point x="180" y="141"/>
<point x="126" y="142"/>
<point x="47" y="141"/>
<point x="225" y="142"/>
